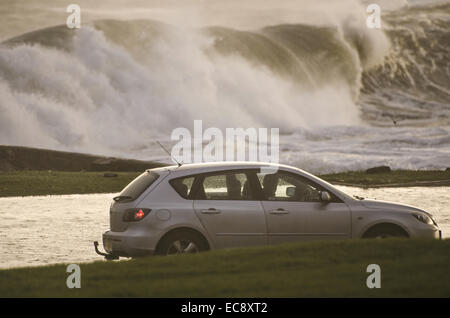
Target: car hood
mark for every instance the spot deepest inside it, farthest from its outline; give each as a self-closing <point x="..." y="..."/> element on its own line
<point x="385" y="205"/>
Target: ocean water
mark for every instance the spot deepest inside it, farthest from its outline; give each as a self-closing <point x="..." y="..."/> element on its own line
<point x="344" y="96"/>
<point x="45" y="230"/>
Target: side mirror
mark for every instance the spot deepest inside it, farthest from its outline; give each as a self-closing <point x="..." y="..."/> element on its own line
<point x="290" y="191"/>
<point x="325" y="196"/>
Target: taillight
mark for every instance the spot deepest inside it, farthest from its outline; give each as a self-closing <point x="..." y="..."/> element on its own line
<point x="135" y="215"/>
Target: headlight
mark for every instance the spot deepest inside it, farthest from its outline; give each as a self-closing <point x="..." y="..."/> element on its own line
<point x="423" y="218"/>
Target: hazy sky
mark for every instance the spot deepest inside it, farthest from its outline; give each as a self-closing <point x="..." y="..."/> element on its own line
<point x="19" y="16"/>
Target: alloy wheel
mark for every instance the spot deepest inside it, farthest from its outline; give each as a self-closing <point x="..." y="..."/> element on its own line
<point x="182" y="247"/>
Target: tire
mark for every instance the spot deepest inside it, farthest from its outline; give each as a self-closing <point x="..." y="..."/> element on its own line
<point x="385" y="231"/>
<point x="182" y="242"/>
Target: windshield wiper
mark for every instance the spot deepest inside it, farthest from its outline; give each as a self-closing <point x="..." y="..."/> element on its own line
<point x="122" y="198"/>
<point x="358" y="197"/>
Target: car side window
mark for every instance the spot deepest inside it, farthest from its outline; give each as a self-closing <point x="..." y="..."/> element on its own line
<point x="183" y="186"/>
<point x="284" y="186"/>
<point x="225" y="186"/>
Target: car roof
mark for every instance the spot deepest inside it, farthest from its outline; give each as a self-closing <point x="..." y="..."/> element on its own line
<point x="224" y="164"/>
<point x="192" y="168"/>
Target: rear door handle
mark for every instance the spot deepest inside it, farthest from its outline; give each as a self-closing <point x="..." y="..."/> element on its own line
<point x="211" y="211"/>
<point x="279" y="211"/>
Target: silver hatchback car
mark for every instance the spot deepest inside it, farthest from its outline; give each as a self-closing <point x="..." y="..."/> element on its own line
<point x="198" y="207"/>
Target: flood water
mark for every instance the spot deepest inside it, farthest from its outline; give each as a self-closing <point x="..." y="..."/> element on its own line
<point x="52" y="229"/>
<point x="44" y="230"/>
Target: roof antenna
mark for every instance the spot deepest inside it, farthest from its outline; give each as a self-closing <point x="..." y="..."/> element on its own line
<point x="172" y="157"/>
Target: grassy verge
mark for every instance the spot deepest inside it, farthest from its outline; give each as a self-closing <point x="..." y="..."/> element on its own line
<point x="25" y="183"/>
<point x="393" y="178"/>
<point x="409" y="268"/>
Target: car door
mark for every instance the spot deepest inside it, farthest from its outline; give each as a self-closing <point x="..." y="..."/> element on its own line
<point x="294" y="210"/>
<point x="227" y="208"/>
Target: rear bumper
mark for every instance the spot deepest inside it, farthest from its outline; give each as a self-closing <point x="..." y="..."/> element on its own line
<point x="126" y="245"/>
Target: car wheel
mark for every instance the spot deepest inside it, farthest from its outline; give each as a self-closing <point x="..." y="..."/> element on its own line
<point x="385" y="231"/>
<point x="182" y="242"/>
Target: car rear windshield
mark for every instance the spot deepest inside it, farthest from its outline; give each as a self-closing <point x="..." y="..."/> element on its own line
<point x="137" y="186"/>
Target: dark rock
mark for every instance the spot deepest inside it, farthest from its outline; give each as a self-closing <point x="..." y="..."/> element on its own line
<point x="110" y="175"/>
<point x="380" y="169"/>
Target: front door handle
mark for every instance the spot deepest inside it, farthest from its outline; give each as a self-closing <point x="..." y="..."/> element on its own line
<point x="211" y="211"/>
<point x="279" y="211"/>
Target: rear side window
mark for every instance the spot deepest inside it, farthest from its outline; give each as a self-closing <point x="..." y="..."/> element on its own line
<point x="138" y="186"/>
<point x="183" y="186"/>
<point x="227" y="186"/>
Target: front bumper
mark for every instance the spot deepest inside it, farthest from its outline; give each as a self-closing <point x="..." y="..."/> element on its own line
<point x="419" y="230"/>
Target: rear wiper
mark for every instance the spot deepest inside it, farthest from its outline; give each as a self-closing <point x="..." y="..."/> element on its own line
<point x="358" y="197"/>
<point x="122" y="198"/>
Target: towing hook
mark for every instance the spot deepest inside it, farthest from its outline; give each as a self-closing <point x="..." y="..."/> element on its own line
<point x="108" y="257"/>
